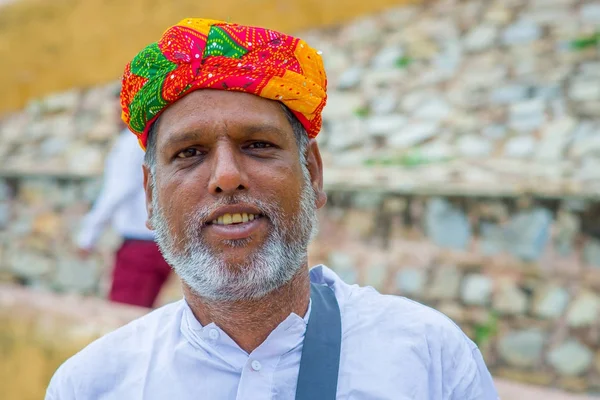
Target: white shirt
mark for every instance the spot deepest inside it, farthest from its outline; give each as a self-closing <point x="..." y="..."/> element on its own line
<point x="122" y="200"/>
<point x="392" y="348"/>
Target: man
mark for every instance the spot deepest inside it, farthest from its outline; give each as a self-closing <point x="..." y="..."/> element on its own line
<point x="233" y="179"/>
<point x="139" y="270"/>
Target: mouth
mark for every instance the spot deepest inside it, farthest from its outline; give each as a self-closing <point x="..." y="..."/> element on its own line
<point x="234" y="219"/>
<point x="236" y="222"/>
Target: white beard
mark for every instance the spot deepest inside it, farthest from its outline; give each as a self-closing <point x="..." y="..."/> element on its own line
<point x="270" y="267"/>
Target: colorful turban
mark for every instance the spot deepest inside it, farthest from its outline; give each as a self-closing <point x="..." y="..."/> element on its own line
<point x="208" y="54"/>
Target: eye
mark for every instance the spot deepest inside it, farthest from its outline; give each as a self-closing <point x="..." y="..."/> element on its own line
<point x="190" y="152"/>
<point x="260" y="145"/>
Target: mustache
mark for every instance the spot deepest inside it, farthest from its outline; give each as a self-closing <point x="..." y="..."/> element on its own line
<point x="201" y="215"/>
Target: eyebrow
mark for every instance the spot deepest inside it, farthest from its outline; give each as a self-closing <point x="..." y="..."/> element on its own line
<point x="248" y="132"/>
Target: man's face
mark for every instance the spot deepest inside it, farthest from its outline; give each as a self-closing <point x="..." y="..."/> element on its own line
<point x="232" y="205"/>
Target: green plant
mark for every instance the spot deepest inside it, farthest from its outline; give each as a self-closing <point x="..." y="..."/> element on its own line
<point x="403" y="62"/>
<point x="361" y="112"/>
<point x="585" y="42"/>
<point x="485" y="331"/>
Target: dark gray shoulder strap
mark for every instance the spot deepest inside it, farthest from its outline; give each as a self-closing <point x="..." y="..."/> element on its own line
<point x="320" y="361"/>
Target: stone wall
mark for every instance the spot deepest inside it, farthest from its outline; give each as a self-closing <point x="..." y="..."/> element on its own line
<point x="517" y="275"/>
<point x="494" y="98"/>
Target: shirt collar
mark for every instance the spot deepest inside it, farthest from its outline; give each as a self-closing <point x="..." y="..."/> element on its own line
<point x="215" y="342"/>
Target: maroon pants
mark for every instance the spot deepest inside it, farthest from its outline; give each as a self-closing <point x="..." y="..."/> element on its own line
<point x="140" y="272"/>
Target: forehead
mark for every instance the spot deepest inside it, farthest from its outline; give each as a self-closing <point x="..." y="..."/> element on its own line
<point x="217" y="110"/>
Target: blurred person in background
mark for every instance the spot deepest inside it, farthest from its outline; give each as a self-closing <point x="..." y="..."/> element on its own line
<point x="139" y="268"/>
<point x="233" y="180"/>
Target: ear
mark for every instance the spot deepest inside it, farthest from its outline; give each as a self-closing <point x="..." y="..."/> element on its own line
<point x="315" y="167"/>
<point x="149" y="194"/>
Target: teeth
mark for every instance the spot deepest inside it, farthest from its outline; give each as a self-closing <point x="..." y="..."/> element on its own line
<point x="228" y="219"/>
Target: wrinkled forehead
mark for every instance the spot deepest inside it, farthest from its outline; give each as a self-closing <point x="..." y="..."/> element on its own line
<point x="212" y="112"/>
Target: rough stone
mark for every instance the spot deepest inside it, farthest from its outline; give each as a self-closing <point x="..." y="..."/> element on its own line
<point x="590" y="13"/>
<point x="367" y="201"/>
<point x="13" y="126"/>
<point x="547" y="16"/>
<point x="453" y="311"/>
<point x="584" y="310"/>
<point x="85" y="160"/>
<point x="591" y="252"/>
<point x="73" y="275"/>
<point x="446" y="225"/>
<point x="413" y="134"/>
<point x="481" y="37"/>
<point x="510" y="299"/>
<point x="28" y="265"/>
<point x="547" y="92"/>
<point x="61" y="101"/>
<point x="495" y="131"/>
<point x="556" y="136"/>
<point x="436" y="151"/>
<point x="350" y="78"/>
<point x="484" y="76"/>
<point x="384" y="103"/>
<point x="510" y="94"/>
<point x="528" y="115"/>
<point x="399" y="16"/>
<point x="341" y="105"/>
<point x="571" y="358"/>
<point x="384" y="125"/>
<point x="585" y="140"/>
<point x="523" y="348"/>
<point x="445" y="284"/>
<point x="411" y="102"/>
<point x="476" y="290"/>
<point x="433" y="110"/>
<point x="47" y="224"/>
<point x="359" y="221"/>
<point x="4" y="214"/>
<point x="567" y="228"/>
<point x="528" y="233"/>
<point x="550" y="302"/>
<point x="584" y="90"/>
<point x="376" y="275"/>
<point x="344" y="265"/>
<point x="492" y="238"/>
<point x="336" y="61"/>
<point x="411" y="281"/>
<point x="345" y="134"/>
<point x="498" y="14"/>
<point x="521" y="32"/>
<point x="387" y="57"/>
<point x="474" y="146"/>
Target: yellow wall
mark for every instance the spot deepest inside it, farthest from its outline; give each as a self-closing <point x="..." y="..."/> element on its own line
<point x="48" y="46"/>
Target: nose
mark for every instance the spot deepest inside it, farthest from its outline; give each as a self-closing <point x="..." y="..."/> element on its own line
<point x="227" y="176"/>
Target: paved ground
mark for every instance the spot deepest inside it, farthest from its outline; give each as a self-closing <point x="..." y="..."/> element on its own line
<point x="516" y="391"/>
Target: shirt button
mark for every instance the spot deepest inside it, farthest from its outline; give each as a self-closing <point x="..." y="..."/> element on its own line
<point x="213" y="334"/>
<point x="256" y="365"/>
